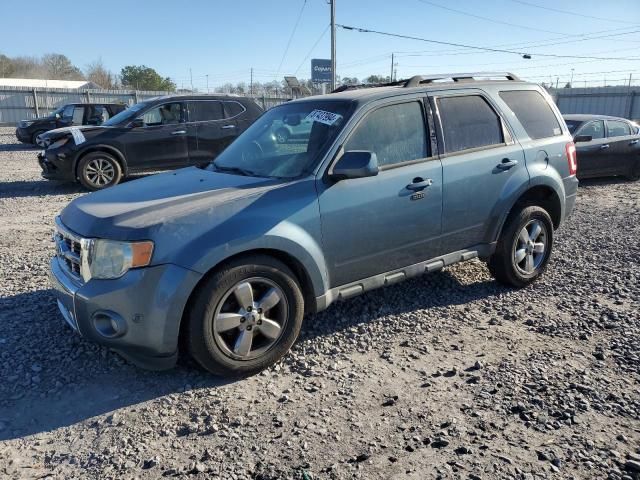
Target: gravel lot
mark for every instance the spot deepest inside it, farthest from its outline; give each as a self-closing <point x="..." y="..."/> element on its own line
<point x="447" y="376"/>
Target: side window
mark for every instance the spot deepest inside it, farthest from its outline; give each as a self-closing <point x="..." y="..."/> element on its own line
<point x="468" y="122"/>
<point x="205" y="110"/>
<point x="97" y="115"/>
<point x="395" y="134"/>
<point x="233" y="109"/>
<point x="533" y="112"/>
<point x="78" y="115"/>
<point x="68" y="111"/>
<point x="594" y="129"/>
<point x="618" y="129"/>
<point x="167" y="114"/>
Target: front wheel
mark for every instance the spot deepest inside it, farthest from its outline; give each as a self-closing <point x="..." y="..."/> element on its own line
<point x="245" y="317"/>
<point x="524" y="247"/>
<point x="98" y="170"/>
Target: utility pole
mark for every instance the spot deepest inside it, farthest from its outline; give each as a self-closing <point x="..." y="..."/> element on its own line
<point x="251" y="83"/>
<point x="333" y="44"/>
<point x="207" y="75"/>
<point x="630" y="77"/>
<point x="191" y="77"/>
<point x="391" y="75"/>
<point x="571" y="81"/>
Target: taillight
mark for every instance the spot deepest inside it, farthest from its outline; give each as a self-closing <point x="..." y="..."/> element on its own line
<point x="572" y="158"/>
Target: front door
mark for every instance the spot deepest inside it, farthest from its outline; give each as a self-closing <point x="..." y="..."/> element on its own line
<point x="623" y="149"/>
<point x="480" y="159"/>
<point x="592" y="155"/>
<point x="376" y="224"/>
<point x="162" y="140"/>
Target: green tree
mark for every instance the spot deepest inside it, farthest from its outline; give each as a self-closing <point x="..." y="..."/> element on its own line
<point x="141" y="77"/>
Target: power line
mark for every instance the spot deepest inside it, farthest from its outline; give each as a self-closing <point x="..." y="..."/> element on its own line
<point x="295" y="27"/>
<point x="324" y="32"/>
<point x="493" y="20"/>
<point x="474" y="47"/>
<point x="566" y="12"/>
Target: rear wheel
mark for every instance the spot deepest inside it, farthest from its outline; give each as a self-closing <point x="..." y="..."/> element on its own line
<point x="245" y="317"/>
<point x="98" y="170"/>
<point x="524" y="247"/>
<point x="634" y="174"/>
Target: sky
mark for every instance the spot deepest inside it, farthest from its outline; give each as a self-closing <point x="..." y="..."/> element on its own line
<point x="223" y="40"/>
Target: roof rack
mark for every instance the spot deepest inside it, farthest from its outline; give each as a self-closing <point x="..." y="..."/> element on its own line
<point x="457" y="77"/>
<point x="344" y="88"/>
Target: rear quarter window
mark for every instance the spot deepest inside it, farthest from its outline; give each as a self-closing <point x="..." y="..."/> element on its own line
<point x="533" y="112"/>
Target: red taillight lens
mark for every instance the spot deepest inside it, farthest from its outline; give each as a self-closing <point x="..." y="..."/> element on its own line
<point x="572" y="158"/>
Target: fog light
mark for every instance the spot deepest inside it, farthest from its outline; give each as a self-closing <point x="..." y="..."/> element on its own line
<point x="109" y="324"/>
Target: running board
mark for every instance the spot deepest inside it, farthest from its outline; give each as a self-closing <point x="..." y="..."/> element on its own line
<point x="353" y="289"/>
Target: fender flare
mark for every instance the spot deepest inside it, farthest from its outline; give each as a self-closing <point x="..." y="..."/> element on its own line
<point x="97" y="148"/>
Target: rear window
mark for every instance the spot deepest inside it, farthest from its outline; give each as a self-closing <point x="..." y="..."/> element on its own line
<point x="205" y="110"/>
<point x="233" y="109"/>
<point x="533" y="112"/>
<point x="469" y="122"/>
<point x="618" y="129"/>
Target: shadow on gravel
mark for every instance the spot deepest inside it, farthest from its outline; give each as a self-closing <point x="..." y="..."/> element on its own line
<point x="18" y="147"/>
<point x="50" y="377"/>
<point x="603" y="181"/>
<point x="438" y="289"/>
<point x="37" y="188"/>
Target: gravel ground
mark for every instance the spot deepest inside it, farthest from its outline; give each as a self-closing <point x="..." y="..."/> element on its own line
<point x="446" y="376"/>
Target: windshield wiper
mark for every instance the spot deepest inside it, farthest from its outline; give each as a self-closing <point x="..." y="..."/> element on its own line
<point x="241" y="171"/>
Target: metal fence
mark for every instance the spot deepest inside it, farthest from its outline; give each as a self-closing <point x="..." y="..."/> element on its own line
<point x="19" y="103"/>
<point x="614" y="101"/>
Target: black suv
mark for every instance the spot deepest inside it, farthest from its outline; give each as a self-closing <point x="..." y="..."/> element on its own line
<point x="161" y="133"/>
<point x="68" y="115"/>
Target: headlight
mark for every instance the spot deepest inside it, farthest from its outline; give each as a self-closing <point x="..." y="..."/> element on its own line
<point x="112" y="259"/>
<point x="59" y="143"/>
<point x="26" y="123"/>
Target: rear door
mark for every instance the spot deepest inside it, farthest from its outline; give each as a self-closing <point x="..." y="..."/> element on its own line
<point x="206" y="121"/>
<point x="592" y="156"/>
<point x="161" y="142"/>
<point x="376" y="224"/>
<point x="480" y="161"/>
<point x="623" y="148"/>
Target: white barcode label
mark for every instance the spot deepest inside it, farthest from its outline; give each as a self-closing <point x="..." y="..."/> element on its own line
<point x="328" y="118"/>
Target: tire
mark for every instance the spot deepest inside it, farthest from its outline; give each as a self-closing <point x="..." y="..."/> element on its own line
<point x="504" y="264"/>
<point x="282" y="135"/>
<point x="98" y="170"/>
<point x="634" y="174"/>
<point x="216" y="341"/>
<point x="35" y="136"/>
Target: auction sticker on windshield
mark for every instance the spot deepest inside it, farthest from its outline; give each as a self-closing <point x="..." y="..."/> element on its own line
<point x="78" y="137"/>
<point x="328" y="118"/>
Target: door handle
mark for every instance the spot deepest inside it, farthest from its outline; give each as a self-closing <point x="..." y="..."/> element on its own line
<point x="419" y="184"/>
<point x="506" y="164"/>
<point x="227" y="127"/>
<point x="179" y="132"/>
<point x="633" y="142"/>
<point x="604" y="147"/>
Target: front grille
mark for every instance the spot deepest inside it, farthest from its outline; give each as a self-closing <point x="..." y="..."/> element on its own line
<point x="70" y="250"/>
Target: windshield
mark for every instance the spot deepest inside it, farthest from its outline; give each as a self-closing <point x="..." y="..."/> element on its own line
<point x="573" y="125"/>
<point x="286" y="142"/>
<point x="126" y="115"/>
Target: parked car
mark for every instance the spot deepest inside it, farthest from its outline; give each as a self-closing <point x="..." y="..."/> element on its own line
<point x="161" y="133"/>
<point x="606" y="146"/>
<point x="286" y="131"/>
<point x="68" y="115"/>
<point x="390" y="182"/>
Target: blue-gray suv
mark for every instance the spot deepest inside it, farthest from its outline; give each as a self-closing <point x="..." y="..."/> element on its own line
<point x="389" y="182"/>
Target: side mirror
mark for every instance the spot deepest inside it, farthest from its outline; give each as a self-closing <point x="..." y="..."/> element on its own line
<point x="136" y="123"/>
<point x="355" y="164"/>
<point x="582" y="138"/>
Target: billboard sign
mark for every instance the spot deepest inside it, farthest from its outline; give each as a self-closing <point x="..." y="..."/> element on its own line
<point x="320" y="70"/>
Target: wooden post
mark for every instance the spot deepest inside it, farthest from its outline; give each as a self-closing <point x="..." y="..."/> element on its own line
<point x="88" y="96"/>
<point x="35" y="102"/>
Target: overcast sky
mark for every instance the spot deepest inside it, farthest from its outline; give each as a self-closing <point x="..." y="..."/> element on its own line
<point x="224" y="39"/>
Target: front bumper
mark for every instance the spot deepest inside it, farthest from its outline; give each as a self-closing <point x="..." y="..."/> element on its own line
<point x="147" y="303"/>
<point x="56" y="165"/>
<point x="23" y="135"/>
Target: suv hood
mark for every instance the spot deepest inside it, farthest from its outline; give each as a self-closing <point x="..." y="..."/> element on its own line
<point x="61" y="132"/>
<point x="163" y="205"/>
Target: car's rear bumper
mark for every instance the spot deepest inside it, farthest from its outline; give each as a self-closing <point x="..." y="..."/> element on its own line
<point x="147" y="305"/>
<point x="570" y="193"/>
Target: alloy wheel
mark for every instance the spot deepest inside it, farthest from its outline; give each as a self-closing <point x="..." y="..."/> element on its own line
<point x="100" y="172"/>
<point x="250" y="318"/>
<point x="530" y="247"/>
